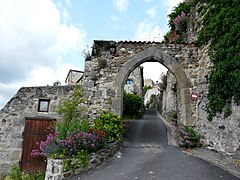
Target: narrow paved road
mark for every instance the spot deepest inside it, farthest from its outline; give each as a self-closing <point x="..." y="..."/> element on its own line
<point x="146" y="155"/>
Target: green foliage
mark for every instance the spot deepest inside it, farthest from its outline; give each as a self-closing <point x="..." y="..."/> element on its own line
<point x="186" y="136"/>
<point x="72" y="114"/>
<point x="79" y="160"/>
<point x="164" y="82"/>
<point x="182" y="7"/>
<point x="17" y="174"/>
<point x="177" y="22"/>
<point x="132" y="105"/>
<point x="221" y="24"/>
<point x="111" y="125"/>
<point x="174" y="116"/>
<point x="151" y="100"/>
<point x="57" y="83"/>
<point x="73" y="126"/>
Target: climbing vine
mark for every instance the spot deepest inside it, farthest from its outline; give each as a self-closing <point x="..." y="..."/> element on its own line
<point x="221" y="24"/>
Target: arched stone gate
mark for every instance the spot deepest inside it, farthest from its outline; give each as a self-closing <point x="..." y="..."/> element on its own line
<point x="105" y="83"/>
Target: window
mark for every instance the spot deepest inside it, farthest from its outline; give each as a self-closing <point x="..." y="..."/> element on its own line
<point x="129" y="81"/>
<point x="43" y="105"/>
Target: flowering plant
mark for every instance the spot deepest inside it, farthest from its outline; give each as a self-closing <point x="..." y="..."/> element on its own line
<point x="186" y="136"/>
<point x="71" y="145"/>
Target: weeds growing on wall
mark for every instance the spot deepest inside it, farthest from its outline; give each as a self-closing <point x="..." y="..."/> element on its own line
<point x="221" y="24"/>
<point x="178" y="20"/>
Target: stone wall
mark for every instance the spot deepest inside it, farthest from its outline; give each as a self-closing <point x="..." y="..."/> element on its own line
<point x="170" y="98"/>
<point x="12" y="118"/>
<point x="55" y="167"/>
<point x="222" y="133"/>
<point x="137" y="77"/>
<point x="112" y="62"/>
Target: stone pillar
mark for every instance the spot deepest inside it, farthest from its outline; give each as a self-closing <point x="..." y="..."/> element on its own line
<point x="186" y="109"/>
<point x="54" y="169"/>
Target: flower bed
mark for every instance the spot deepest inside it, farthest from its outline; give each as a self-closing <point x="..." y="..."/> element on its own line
<point x="59" y="168"/>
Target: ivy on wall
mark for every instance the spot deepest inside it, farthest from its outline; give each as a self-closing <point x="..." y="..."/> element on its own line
<point x="221" y="27"/>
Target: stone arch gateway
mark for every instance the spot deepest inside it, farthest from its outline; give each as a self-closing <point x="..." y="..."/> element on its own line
<point x="112" y="62"/>
<point x="154" y="54"/>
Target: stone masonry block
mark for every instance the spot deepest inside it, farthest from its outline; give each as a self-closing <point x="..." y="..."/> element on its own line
<point x="16" y="154"/>
<point x="152" y="51"/>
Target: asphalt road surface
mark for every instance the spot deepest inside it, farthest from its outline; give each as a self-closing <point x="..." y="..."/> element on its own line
<point x="147" y="155"/>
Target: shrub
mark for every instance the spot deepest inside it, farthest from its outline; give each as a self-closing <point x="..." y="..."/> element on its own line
<point x="177" y="22"/>
<point x="17" y="174"/>
<point x="71" y="145"/>
<point x="151" y="100"/>
<point x="186" y="136"/>
<point x="132" y="104"/>
<point x="111" y="125"/>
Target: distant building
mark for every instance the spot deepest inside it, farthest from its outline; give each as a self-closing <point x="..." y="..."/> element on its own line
<point x="154" y="90"/>
<point x="74" y="77"/>
<point x="134" y="83"/>
<point x="148" y="82"/>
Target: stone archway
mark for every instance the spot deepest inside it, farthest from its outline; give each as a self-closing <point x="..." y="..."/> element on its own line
<point x="153" y="53"/>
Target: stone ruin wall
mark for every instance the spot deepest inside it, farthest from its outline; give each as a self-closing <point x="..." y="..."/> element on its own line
<point x="107" y="59"/>
<point x="222" y="133"/>
<point x="12" y="118"/>
<point x="170" y="99"/>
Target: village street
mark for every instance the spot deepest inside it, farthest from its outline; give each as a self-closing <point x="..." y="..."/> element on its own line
<point x="147" y="155"/>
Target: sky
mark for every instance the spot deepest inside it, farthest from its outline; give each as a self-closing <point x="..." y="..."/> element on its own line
<point x="41" y="40"/>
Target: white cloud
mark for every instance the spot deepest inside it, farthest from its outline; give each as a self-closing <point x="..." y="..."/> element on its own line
<point x="34" y="38"/>
<point x="147" y="31"/>
<point x="172" y="3"/>
<point x="152" y="12"/>
<point x="121" y="5"/>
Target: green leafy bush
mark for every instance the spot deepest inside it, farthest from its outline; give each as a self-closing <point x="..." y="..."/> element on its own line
<point x="151" y="100"/>
<point x="17" y="174"/>
<point x="177" y="22"/>
<point x="132" y="105"/>
<point x="186" y="136"/>
<point x="72" y="114"/>
<point x="111" y="124"/>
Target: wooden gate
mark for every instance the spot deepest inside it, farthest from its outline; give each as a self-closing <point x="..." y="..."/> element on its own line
<point x="35" y="130"/>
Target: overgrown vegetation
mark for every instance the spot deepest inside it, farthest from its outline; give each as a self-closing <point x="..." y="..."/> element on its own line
<point x="111" y="124"/>
<point x="132" y="105"/>
<point x="177" y="22"/>
<point x="186" y="136"/>
<point x="221" y="24"/>
<point x="151" y="100"/>
<point x="164" y="82"/>
<point x="17" y="174"/>
<point x="74" y="137"/>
